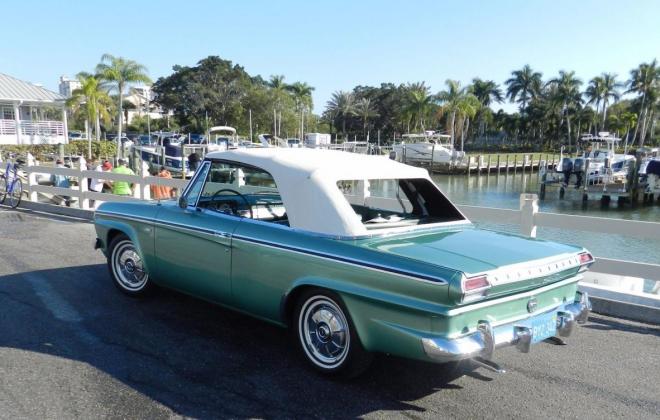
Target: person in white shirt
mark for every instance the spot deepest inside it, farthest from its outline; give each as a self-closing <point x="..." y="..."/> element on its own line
<point x="97" y="184"/>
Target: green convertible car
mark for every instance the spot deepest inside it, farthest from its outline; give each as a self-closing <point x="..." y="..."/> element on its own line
<point x="357" y="254"/>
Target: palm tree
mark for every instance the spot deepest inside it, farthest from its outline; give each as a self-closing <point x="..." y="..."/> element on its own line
<point x="121" y="73"/>
<point x="457" y="102"/>
<point x="568" y="91"/>
<point x="595" y="92"/>
<point x="302" y="95"/>
<point x="365" y="110"/>
<point x="487" y="92"/>
<point x="524" y="85"/>
<point x="645" y="81"/>
<point x="610" y="91"/>
<point x="419" y="102"/>
<point x="278" y="89"/>
<point x="91" y="97"/>
<point x="342" y="104"/>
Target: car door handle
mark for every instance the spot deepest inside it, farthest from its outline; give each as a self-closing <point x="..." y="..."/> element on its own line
<point x="223" y="234"/>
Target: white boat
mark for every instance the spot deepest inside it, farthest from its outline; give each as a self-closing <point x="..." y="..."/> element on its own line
<point x="605" y="165"/>
<point x="428" y="147"/>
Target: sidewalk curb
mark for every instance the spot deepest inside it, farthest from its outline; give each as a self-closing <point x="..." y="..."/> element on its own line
<point x="55" y="209"/>
<point x="623" y="305"/>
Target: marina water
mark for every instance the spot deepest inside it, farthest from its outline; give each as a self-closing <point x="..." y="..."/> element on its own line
<point x="503" y="191"/>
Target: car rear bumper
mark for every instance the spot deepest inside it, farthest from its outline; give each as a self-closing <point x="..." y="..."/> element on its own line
<point x="519" y="333"/>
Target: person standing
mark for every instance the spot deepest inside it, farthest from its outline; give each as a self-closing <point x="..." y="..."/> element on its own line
<point x="96" y="184"/>
<point x="61" y="181"/>
<point x="122" y="187"/>
<point x="193" y="161"/>
<point x="162" y="192"/>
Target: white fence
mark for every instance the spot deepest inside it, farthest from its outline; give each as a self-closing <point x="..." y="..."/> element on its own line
<point x="527" y="216"/>
<point x="142" y="189"/>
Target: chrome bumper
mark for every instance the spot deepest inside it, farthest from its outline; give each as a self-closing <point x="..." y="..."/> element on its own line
<point x="482" y="342"/>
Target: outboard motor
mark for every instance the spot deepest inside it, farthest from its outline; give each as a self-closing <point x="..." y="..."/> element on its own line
<point x="578" y="168"/>
<point x="393" y="155"/>
<point x="566" y="168"/>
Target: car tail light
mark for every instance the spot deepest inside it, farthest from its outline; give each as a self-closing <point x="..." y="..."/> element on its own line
<point x="586" y="259"/>
<point x="474" y="287"/>
<point x="475" y="283"/>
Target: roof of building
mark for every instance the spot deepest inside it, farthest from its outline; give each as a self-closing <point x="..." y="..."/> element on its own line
<point x="12" y="89"/>
<point x="307" y="181"/>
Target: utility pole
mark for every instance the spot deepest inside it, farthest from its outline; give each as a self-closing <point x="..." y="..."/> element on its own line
<point x="250" y="111"/>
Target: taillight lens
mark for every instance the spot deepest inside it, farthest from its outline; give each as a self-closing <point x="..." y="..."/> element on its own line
<point x="586" y="258"/>
<point x="475" y="283"/>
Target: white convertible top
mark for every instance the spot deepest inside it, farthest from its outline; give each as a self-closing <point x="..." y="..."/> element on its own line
<point x="307" y="181"/>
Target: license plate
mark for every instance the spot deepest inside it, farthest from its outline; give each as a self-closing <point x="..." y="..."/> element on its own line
<point x="544" y="326"/>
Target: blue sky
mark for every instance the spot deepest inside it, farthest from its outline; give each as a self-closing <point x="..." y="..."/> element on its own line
<point x="334" y="45"/>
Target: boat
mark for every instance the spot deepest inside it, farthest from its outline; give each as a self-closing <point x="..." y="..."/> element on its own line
<point x="430" y="148"/>
<point x="595" y="163"/>
<point x="172" y="150"/>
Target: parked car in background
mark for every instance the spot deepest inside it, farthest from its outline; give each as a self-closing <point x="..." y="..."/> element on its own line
<point x="357" y="254"/>
<point x="75" y="135"/>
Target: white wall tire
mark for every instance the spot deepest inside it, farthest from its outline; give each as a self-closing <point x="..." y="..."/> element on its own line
<point x="127" y="267"/>
<point x="326" y="336"/>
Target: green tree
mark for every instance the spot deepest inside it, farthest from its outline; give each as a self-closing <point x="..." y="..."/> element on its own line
<point x="365" y="110"/>
<point x="568" y="92"/>
<point x="487" y="92"/>
<point x="341" y="104"/>
<point x="121" y="73"/>
<point x="91" y="98"/>
<point x="524" y="85"/>
<point x="419" y="103"/>
<point x="461" y="105"/>
<point x="302" y="95"/>
<point x="645" y="81"/>
<point x="278" y="89"/>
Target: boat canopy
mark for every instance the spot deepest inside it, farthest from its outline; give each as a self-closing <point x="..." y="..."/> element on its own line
<point x="220" y="129"/>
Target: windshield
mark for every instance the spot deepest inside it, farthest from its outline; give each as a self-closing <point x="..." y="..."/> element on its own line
<point x="388" y="203"/>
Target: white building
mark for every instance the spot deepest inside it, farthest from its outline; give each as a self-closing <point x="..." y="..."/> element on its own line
<point x="30" y="114"/>
<point x="141" y="97"/>
<point x="67" y="86"/>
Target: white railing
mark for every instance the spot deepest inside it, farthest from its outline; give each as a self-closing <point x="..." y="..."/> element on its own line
<point x="42" y="128"/>
<point x="7" y="127"/>
<point x="527" y="216"/>
<point x="141" y="191"/>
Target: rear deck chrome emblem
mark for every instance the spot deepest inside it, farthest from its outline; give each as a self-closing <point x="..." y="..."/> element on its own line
<point x="531" y="305"/>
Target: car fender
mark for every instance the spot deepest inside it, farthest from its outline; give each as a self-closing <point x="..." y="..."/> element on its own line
<point x="372" y="311"/>
<point x="143" y="243"/>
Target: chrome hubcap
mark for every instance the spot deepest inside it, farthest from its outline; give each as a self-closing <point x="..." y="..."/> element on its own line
<point x="128" y="267"/>
<point x="324" y="332"/>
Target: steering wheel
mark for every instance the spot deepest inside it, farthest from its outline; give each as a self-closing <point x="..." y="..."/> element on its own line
<point x="249" y="206"/>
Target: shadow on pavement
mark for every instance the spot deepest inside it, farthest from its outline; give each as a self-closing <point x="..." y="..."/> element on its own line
<point x="610" y="324"/>
<point x="198" y="359"/>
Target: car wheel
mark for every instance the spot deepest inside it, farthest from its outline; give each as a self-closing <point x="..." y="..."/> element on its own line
<point x="127" y="268"/>
<point x="327" y="337"/>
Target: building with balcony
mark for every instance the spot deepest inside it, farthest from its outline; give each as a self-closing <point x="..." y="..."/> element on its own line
<point x="30" y="114"/>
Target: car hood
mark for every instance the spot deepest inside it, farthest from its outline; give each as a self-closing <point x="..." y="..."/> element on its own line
<point x="468" y="249"/>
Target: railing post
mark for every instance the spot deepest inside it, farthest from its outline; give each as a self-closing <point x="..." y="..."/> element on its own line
<point x="83" y="201"/>
<point x="529" y="206"/>
<point x="32" y="180"/>
<point x="145" y="191"/>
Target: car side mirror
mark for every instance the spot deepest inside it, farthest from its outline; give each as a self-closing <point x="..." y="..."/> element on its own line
<point x="183" y="203"/>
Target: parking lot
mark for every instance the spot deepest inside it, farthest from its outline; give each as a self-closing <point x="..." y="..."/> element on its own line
<point x="72" y="346"/>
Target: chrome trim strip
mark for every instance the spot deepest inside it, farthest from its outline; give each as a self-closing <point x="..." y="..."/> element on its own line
<point x="333" y="257"/>
<point x="471" y="307"/>
<point x="346" y="260"/>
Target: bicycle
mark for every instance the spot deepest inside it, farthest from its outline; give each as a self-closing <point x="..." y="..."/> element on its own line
<point x="11" y="185"/>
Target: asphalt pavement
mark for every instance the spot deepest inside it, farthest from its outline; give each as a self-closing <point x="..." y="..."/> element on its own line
<point x="72" y="346"/>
